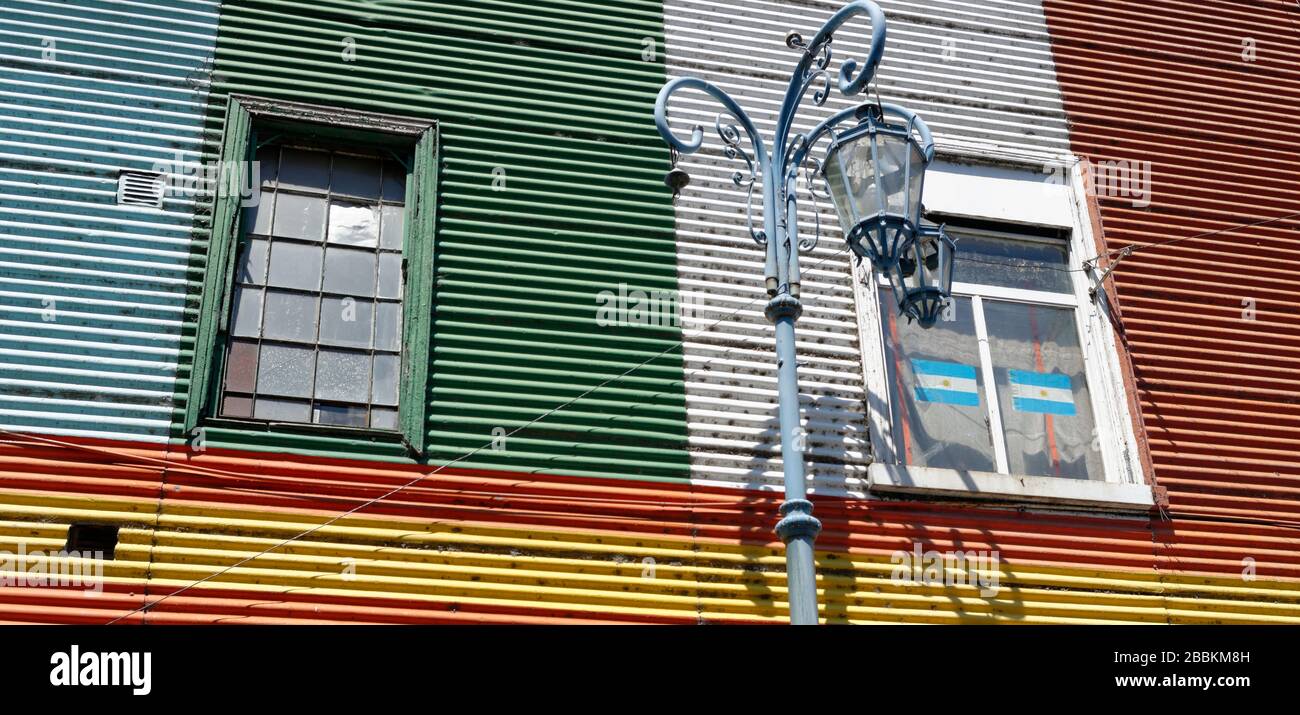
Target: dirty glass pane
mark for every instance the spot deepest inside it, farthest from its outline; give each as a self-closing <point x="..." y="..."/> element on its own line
<point x="295" y="265"/>
<point x="346" y="415"/>
<point x="252" y="264"/>
<point x="290" y="316"/>
<point x="355" y="176"/>
<point x="383" y="419"/>
<point x="342" y="376"/>
<point x="937" y="391"/>
<point x="390" y="275"/>
<point x="346" y="322"/>
<point x="1030" y="265"/>
<point x="1042" y="391"/>
<point x="258" y="218"/>
<point x="350" y="272"/>
<point x="388" y="326"/>
<point x="304" y="169"/>
<point x="354" y="224"/>
<point x="286" y="371"/>
<point x="241" y="366"/>
<point x="385" y="390"/>
<point x="299" y="217"/>
<point x="324" y="239"/>
<point x="268" y="158"/>
<point x="281" y="410"/>
<point x="394" y="182"/>
<point x="236" y="406"/>
<point x="391" y="233"/>
<point x="247" y="311"/>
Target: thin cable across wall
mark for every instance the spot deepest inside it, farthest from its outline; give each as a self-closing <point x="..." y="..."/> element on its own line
<point x="471" y="453"/>
<point x="412" y="482"/>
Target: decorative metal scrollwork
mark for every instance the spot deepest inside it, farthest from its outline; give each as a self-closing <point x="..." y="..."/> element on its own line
<point x="780" y="170"/>
<point x="731" y="147"/>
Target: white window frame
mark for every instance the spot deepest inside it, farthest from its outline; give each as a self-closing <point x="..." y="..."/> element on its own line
<point x="1012" y="197"/>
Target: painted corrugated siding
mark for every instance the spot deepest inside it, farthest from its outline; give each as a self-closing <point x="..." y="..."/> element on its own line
<point x="557" y="95"/>
<point x="981" y="76"/>
<point x="92" y="294"/>
<point x="467" y="546"/>
<point x="510" y="545"/>
<point x="1218" y="391"/>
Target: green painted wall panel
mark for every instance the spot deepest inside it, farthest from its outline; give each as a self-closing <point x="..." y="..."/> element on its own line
<point x="557" y="96"/>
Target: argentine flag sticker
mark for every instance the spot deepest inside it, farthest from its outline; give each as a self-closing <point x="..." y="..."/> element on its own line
<point x="947" y="382"/>
<point x="1041" y="392"/>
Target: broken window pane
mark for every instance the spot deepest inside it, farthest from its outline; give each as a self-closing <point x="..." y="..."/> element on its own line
<point x="354" y="224"/>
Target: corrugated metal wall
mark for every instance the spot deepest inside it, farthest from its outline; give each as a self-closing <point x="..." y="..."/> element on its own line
<point x="498" y="547"/>
<point x="502" y="543"/>
<point x="542" y="208"/>
<point x="1209" y="99"/>
<point x="92" y="294"/>
<point x="981" y="76"/>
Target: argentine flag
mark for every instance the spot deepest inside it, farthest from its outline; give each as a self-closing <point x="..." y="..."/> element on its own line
<point x="947" y="382"/>
<point x="1042" y="392"/>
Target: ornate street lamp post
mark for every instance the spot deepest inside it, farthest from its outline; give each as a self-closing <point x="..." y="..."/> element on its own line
<point x="874" y="172"/>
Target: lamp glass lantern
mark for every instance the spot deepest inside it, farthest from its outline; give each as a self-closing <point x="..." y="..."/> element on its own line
<point x="875" y="173"/>
<point x="921" y="278"/>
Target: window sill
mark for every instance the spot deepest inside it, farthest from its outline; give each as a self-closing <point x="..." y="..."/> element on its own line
<point x="988" y="486"/>
<point x="304" y="428"/>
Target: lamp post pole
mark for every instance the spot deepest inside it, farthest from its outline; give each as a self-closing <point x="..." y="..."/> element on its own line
<point x="779" y="168"/>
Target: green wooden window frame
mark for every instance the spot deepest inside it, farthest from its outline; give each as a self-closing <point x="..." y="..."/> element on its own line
<point x="246" y="118"/>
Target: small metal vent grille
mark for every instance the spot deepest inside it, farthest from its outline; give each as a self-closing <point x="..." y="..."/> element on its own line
<point x="140" y="188"/>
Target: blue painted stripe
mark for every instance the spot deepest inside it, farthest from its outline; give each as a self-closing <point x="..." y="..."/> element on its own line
<point x="946" y="369"/>
<point x="948" y="397"/>
<point x="1040" y="379"/>
<point x="1048" y="407"/>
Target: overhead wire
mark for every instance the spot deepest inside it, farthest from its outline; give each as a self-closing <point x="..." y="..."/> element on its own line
<point x="412" y="482"/>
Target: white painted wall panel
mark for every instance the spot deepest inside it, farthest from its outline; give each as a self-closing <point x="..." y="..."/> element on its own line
<point x="980" y="73"/>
